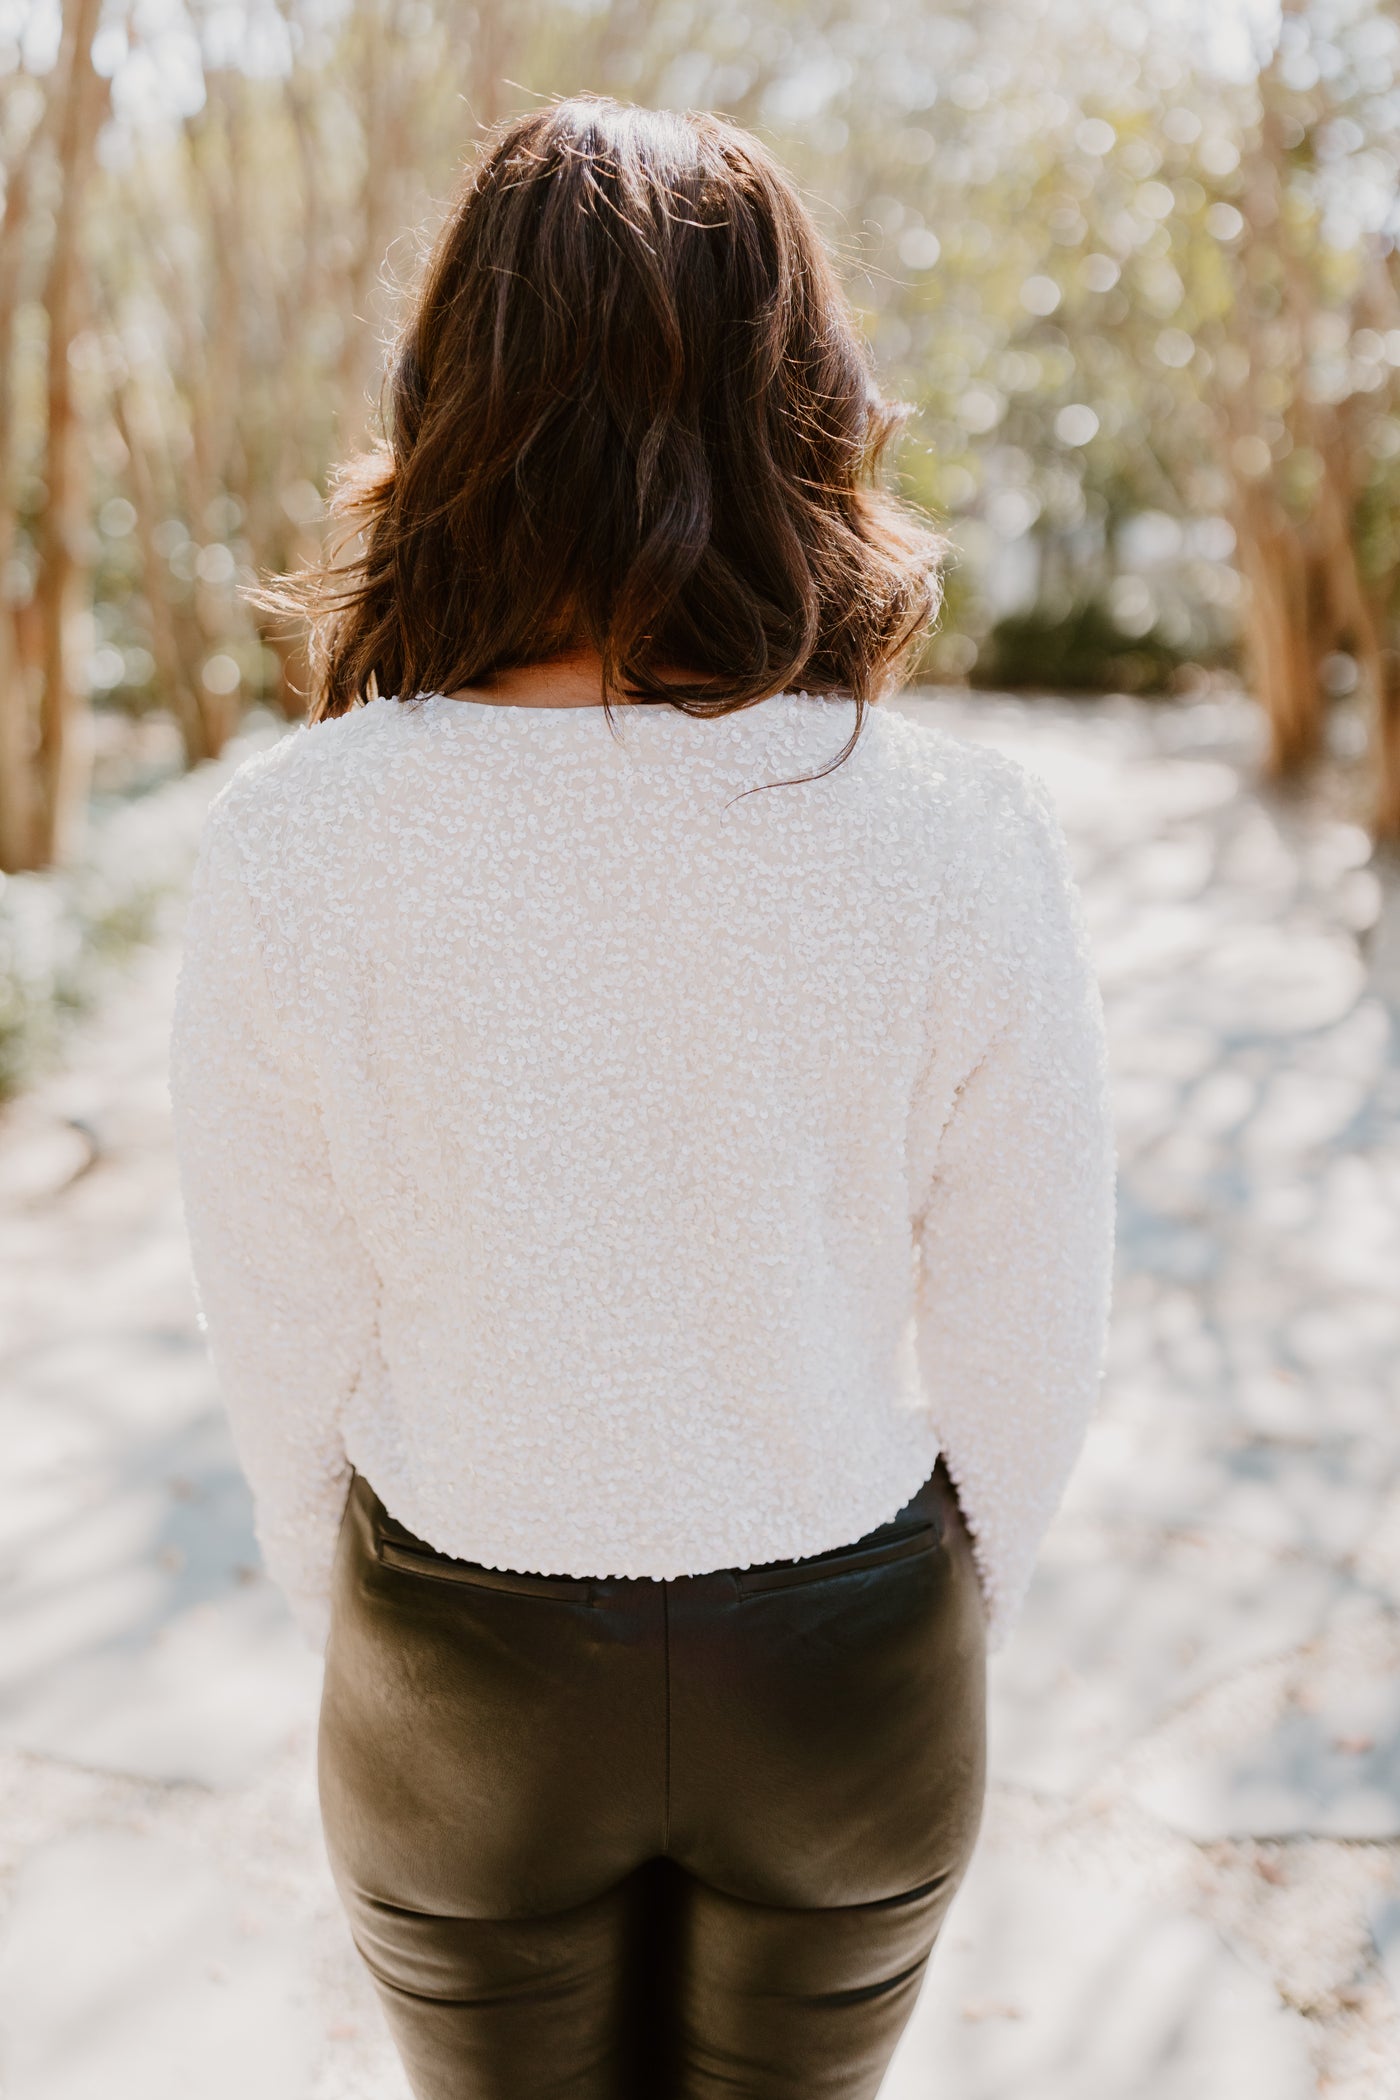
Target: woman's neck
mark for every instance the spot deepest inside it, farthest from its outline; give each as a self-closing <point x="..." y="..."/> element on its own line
<point x="569" y="681"/>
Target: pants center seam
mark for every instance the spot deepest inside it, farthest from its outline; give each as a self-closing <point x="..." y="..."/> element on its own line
<point x="666" y="1691"/>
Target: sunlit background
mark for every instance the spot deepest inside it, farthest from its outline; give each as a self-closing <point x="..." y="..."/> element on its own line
<point x="1133" y="268"/>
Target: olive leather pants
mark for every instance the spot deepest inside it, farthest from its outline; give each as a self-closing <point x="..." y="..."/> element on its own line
<point x="636" y="1840"/>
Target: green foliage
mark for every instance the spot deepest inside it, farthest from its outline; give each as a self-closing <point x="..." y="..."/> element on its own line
<point x="1083" y="650"/>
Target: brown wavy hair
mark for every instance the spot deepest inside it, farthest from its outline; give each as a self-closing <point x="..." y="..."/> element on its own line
<point x="631" y="412"/>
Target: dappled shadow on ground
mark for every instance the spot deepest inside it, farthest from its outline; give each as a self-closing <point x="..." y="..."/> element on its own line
<point x="1240" y="1495"/>
<point x="137" y="1632"/>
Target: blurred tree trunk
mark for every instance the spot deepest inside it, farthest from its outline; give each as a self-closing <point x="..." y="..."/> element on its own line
<point x="1387" y="676"/>
<point x="1378" y="594"/>
<point x="176" y="666"/>
<point x="16" y="698"/>
<point x="1361" y="621"/>
<point x="1302" y="547"/>
<point x="490" y="59"/>
<point x="1285" y="628"/>
<point x="1281" y="637"/>
<point x="62" y="759"/>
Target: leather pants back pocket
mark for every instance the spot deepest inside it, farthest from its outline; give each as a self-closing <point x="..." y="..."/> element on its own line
<point x="855" y="1559"/>
<point x="412" y="1557"/>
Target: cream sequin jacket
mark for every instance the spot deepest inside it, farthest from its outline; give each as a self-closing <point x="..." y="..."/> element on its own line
<point x="633" y="1176"/>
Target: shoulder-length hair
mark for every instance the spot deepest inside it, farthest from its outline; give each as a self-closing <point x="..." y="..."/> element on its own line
<point x="630" y="411"/>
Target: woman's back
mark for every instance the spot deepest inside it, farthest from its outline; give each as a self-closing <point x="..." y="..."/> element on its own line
<point x="632" y="1093"/>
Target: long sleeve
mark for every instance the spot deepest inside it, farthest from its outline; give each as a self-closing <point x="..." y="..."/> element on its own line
<point x="287" y="1293"/>
<point x="1015" y="1238"/>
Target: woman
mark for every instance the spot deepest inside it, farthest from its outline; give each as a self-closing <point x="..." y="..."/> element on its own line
<point x="624" y="1202"/>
